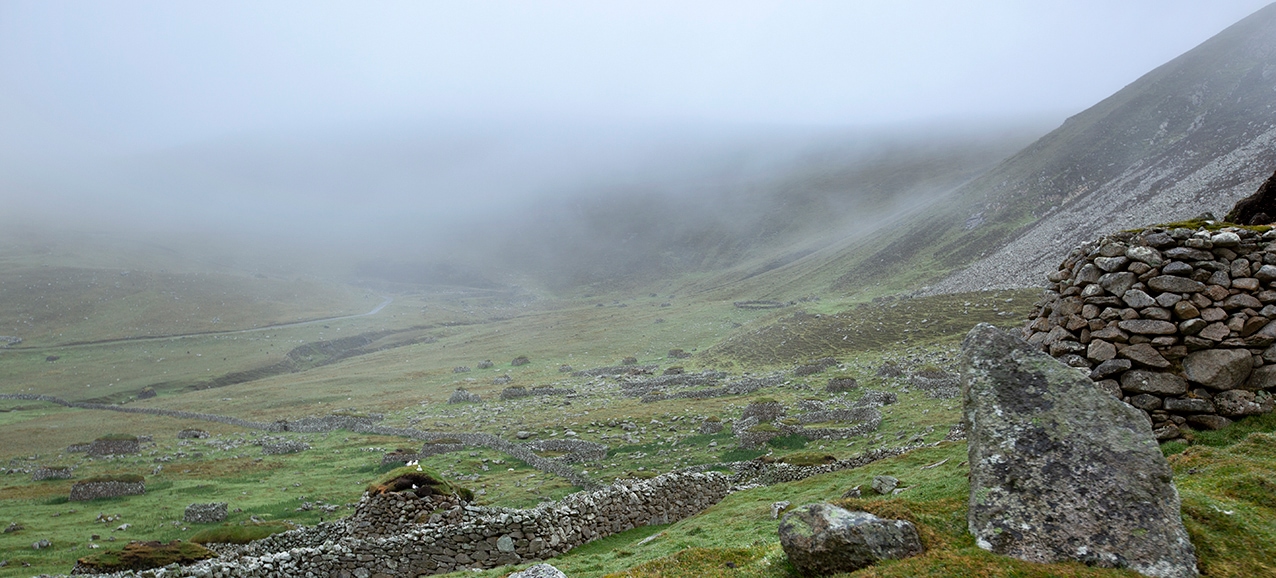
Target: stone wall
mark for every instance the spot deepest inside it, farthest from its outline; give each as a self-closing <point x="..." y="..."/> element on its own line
<point x="467" y="536"/>
<point x="574" y="451"/>
<point x="83" y="491"/>
<point x="1176" y="322"/>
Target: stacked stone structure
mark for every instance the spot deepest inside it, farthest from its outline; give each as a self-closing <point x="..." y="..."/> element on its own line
<point x="1175" y="321"/>
<point x="94" y="489"/>
<point x="209" y="513"/>
<point x="114" y="446"/>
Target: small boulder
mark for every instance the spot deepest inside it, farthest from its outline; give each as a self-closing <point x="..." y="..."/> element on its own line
<point x="822" y="539"/>
<point x="885" y="484"/>
<point x="539" y="571"/>
<point x="1062" y="471"/>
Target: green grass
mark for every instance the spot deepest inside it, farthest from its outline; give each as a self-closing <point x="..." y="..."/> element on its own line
<point x="145" y="555"/>
<point x="239" y="533"/>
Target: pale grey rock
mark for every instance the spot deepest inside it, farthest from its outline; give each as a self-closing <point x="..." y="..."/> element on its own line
<point x="1145" y="254"/>
<point x="1175" y="284"/>
<point x="1118" y="283"/>
<point x="1109" y="368"/>
<point x="1060" y="470"/>
<point x="1157" y="382"/>
<point x="822" y="539"/>
<point x="1266" y="273"/>
<point x="539" y="571"/>
<point x="1138" y="299"/>
<point x="1110" y="264"/>
<point x="885" y="484"/>
<point x="1177" y="268"/>
<point x="1148" y="326"/>
<point x="1218" y="368"/>
<point x="1226" y="239"/>
<point x="1144" y="354"/>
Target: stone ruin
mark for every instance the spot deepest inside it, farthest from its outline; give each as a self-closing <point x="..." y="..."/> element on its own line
<point x="210" y="513"/>
<point x="187" y="434"/>
<point x="519" y="392"/>
<point x="51" y="473"/>
<point x="461" y="395"/>
<point x="272" y="448"/>
<point x="1175" y="321"/>
<point x="95" y="489"/>
<point x="114" y="446"/>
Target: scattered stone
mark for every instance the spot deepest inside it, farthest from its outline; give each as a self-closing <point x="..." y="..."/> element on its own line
<point x="1060" y="471"/>
<point x="778" y="508"/>
<point x="40" y="545"/>
<point x="822" y="539"/>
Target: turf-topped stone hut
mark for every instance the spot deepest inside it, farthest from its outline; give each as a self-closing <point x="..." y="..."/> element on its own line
<point x="115" y="445"/>
<point x="107" y="487"/>
<point x="1174" y="320"/>
<point x="405" y="496"/>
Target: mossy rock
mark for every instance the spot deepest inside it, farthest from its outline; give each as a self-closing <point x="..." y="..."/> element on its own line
<point x="419" y="481"/>
<point x="713" y="418"/>
<point x="145" y="555"/>
<point x="764" y="428"/>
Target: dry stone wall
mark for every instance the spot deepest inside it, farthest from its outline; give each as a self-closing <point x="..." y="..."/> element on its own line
<point x="468" y="536"/>
<point x="1174" y="321"/>
<point x="84" y="491"/>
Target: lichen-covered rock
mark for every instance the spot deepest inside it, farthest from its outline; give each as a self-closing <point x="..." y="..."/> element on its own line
<point x="822" y="539"/>
<point x="1060" y="470"/>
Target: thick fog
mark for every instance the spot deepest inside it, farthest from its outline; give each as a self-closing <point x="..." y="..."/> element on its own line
<point x="409" y="130"/>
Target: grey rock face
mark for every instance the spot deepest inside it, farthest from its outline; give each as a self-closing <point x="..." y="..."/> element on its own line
<point x="822" y="539"/>
<point x="1061" y="471"/>
<point x="1141" y="381"/>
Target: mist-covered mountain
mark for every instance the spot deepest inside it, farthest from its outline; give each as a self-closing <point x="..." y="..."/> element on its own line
<point x="1194" y="135"/>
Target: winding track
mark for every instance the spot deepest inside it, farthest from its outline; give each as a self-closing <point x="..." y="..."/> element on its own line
<point x="145" y="338"/>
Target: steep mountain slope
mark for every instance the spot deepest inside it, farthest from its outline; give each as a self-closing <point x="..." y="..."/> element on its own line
<point x="1193" y="135"/>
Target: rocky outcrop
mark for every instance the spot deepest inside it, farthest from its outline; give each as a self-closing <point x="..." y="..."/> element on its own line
<point x="1060" y="470"/>
<point x="1258" y="208"/>
<point x="539" y="571"/>
<point x="822" y="539"/>
<point x="1168" y="319"/>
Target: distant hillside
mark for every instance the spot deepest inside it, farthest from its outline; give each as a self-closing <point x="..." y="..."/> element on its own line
<point x="1193" y="135"/>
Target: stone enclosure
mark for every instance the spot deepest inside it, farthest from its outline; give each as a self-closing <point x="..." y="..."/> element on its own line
<point x="1175" y="321"/>
<point x="92" y="490"/>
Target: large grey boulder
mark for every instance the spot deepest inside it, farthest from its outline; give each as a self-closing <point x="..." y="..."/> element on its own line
<point x="822" y="539"/>
<point x="1061" y="471"/>
<point x="1218" y="368"/>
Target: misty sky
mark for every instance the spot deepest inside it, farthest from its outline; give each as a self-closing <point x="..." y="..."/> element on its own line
<point x="320" y="109"/>
<point x="137" y="73"/>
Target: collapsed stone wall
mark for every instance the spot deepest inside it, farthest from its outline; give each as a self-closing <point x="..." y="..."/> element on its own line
<point x="109" y="447"/>
<point x="84" y="491"/>
<point x="1174" y="321"/>
<point x="51" y="473"/>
